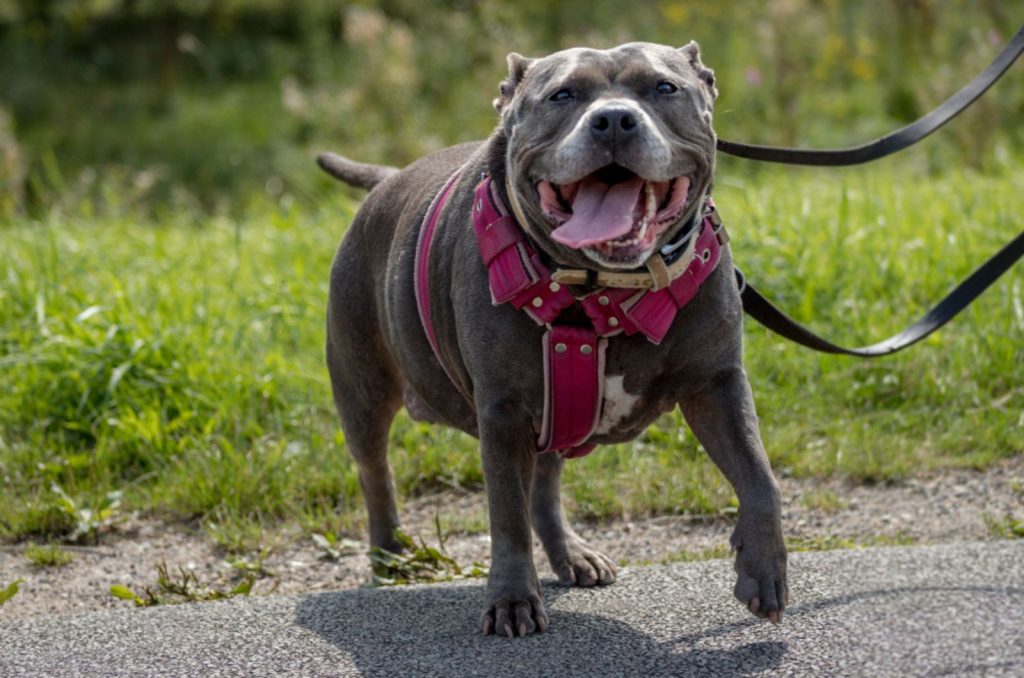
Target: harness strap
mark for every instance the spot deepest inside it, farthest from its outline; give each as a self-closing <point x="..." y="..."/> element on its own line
<point x="514" y="269"/>
<point x="573" y="356"/>
<point x="574" y="374"/>
<point x="421" y="273"/>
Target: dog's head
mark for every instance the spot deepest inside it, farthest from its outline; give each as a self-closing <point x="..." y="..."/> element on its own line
<point x="609" y="152"/>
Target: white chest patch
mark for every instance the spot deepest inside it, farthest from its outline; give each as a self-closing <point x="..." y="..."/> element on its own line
<point x="617" y="403"/>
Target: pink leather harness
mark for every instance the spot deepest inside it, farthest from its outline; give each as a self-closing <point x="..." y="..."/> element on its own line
<point x="573" y="355"/>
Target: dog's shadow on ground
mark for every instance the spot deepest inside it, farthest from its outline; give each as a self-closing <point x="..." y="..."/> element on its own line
<point x="433" y="631"/>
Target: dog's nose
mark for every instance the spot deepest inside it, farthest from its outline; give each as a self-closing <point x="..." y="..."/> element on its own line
<point x="613" y="121"/>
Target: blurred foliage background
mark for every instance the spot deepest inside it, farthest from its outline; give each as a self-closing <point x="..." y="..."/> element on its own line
<point x="210" y="106"/>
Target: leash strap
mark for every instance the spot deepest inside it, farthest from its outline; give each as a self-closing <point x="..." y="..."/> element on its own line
<point x="895" y="141"/>
<point x="764" y="312"/>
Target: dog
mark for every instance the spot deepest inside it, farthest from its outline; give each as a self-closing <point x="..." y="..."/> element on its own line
<point x="553" y="288"/>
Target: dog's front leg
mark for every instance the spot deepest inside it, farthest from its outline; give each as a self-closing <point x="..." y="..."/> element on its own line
<point x="575" y="562"/>
<point x="724" y="420"/>
<point x="513" y="604"/>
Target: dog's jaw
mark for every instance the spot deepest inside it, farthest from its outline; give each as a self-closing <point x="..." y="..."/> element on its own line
<point x="616" y="218"/>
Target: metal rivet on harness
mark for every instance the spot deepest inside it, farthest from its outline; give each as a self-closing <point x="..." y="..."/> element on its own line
<point x="586" y="349"/>
<point x="613" y="321"/>
<point x="561" y="348"/>
<point x="537" y="302"/>
<point x="554" y="287"/>
<point x="603" y="300"/>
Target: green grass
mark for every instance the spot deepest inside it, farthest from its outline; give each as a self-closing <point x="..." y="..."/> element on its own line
<point x="857" y="255"/>
<point x="793" y="544"/>
<point x="711" y="553"/>
<point x="183" y="586"/>
<point x="419" y="562"/>
<point x="50" y="555"/>
<point x="833" y="542"/>
<point x="1005" y="527"/>
<point x="182" y="366"/>
<point x="824" y="501"/>
<point x="8" y="591"/>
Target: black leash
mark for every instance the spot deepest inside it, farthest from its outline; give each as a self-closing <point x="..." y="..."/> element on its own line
<point x="762" y="310"/>
<point x="895" y="141"/>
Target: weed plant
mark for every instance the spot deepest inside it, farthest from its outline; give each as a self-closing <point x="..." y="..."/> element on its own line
<point x="49" y="555"/>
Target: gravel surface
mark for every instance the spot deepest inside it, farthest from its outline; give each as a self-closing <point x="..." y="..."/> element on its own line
<point x="946" y="506"/>
<point x="954" y="609"/>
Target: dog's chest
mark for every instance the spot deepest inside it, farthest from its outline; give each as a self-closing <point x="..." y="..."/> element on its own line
<point x="618" y="404"/>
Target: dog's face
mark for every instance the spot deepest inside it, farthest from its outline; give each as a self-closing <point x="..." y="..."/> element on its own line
<point x="609" y="152"/>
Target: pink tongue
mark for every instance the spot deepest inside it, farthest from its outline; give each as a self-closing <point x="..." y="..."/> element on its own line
<point x="599" y="213"/>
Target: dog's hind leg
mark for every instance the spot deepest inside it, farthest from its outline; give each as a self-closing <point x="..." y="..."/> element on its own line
<point x="572" y="559"/>
<point x="367" y="390"/>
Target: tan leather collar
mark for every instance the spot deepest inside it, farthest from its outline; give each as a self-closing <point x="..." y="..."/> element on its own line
<point x="657" y="276"/>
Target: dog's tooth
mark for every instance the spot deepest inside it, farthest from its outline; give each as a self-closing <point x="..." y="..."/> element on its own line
<point x="644" y="223"/>
<point x="652" y="200"/>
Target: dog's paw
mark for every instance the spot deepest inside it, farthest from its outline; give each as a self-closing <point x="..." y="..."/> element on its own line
<point x="582" y="565"/>
<point x="514" y="612"/>
<point x="761" y="571"/>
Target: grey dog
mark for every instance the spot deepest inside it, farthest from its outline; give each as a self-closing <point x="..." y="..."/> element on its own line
<point x="573" y="126"/>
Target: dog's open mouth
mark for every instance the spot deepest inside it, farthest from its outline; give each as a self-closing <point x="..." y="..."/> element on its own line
<point x="613" y="215"/>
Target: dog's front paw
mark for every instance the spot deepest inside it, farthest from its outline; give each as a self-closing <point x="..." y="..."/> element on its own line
<point x="513" y="607"/>
<point x="761" y="567"/>
<point x="581" y="565"/>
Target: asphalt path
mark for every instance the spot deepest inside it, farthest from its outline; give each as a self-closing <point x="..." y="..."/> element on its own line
<point x="954" y="609"/>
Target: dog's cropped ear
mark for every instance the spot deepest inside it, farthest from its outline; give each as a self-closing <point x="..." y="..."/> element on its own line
<point x="517" y="65"/>
<point x="692" y="54"/>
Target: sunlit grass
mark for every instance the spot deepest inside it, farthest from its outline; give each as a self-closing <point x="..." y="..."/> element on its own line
<point x="183" y="365"/>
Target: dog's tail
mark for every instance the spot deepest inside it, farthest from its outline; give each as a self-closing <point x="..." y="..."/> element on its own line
<point x="358" y="174"/>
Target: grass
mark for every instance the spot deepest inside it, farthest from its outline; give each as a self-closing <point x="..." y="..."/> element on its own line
<point x="419" y="562"/>
<point x="1005" y="527"/>
<point x="49" y="555"/>
<point x="833" y="542"/>
<point x="10" y="590"/>
<point x="178" y="370"/>
<point x="823" y="501"/>
<point x="793" y="544"/>
<point x="183" y="586"/>
<point x="879" y="250"/>
<point x="711" y="553"/>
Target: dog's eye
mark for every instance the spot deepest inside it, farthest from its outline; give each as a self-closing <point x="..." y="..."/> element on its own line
<point x="666" y="87"/>
<point x="561" y="95"/>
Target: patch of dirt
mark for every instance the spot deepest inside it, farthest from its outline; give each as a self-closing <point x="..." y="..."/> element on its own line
<point x="944" y="506"/>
